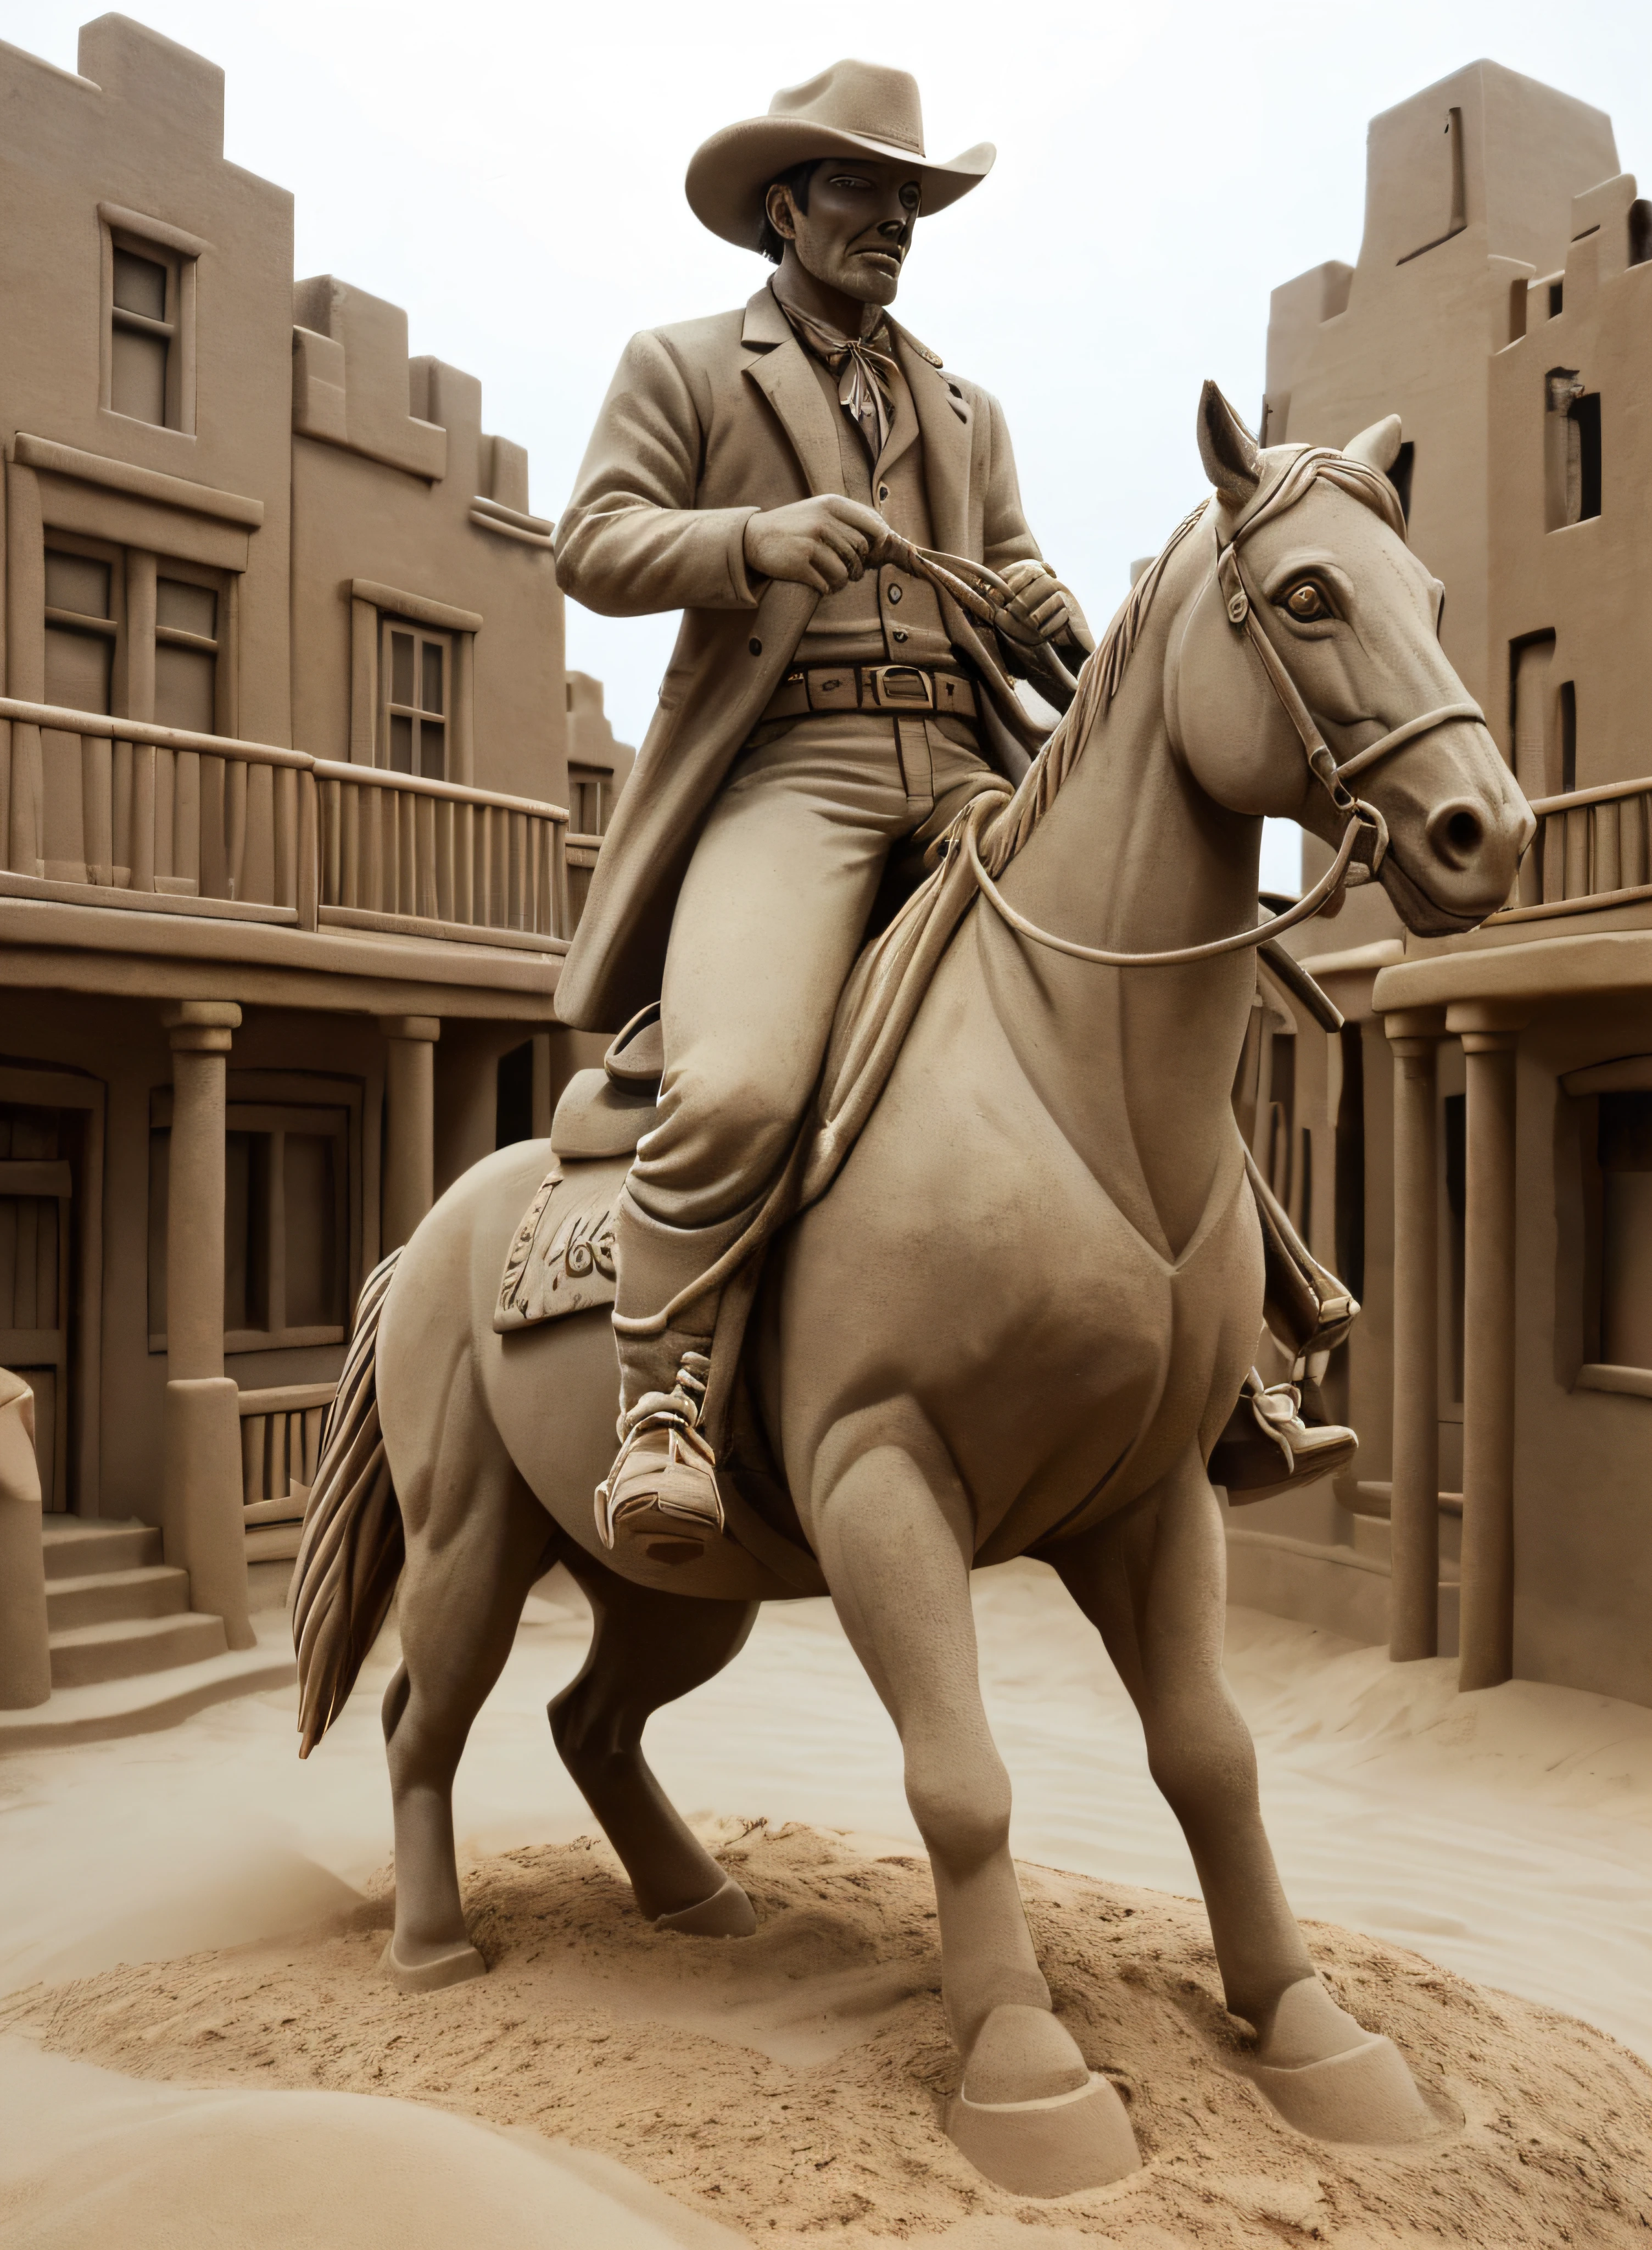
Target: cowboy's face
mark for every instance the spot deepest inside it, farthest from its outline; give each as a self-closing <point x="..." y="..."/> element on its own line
<point x="858" y="227"/>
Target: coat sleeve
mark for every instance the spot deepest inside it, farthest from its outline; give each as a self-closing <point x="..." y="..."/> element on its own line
<point x="1006" y="535"/>
<point x="632" y="541"/>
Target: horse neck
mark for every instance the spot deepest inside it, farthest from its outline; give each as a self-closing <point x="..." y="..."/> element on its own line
<point x="1136" y="1066"/>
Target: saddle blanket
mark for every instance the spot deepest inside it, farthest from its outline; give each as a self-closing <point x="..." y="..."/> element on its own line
<point x="561" y="1257"/>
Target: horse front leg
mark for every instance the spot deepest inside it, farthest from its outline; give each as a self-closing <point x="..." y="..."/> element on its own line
<point x="893" y="1529"/>
<point x="1155" y="1583"/>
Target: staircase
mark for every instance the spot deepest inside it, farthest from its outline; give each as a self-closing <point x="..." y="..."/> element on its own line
<point x="113" y="1609"/>
<point x="129" y="1653"/>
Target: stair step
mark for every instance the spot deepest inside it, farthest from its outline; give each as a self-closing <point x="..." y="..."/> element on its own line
<point x="113" y="1596"/>
<point x="75" y="1548"/>
<point x="83" y="1654"/>
<point x="1374" y="1537"/>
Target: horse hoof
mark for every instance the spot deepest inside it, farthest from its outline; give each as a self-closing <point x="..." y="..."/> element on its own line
<point x="1365" y="2094"/>
<point x="727" y="1913"/>
<point x="1048" y="2148"/>
<point x="1069" y="2131"/>
<point x="455" y="1968"/>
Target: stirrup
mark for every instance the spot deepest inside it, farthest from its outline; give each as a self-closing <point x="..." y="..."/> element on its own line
<point x="1269" y="1446"/>
<point x="688" y="1452"/>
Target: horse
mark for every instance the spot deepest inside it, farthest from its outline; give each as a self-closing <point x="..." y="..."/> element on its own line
<point x="1015" y="1325"/>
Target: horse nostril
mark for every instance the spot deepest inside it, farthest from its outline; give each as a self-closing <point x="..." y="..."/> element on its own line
<point x="1456" y="832"/>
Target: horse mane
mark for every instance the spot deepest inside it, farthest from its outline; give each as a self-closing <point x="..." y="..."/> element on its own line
<point x="1103" y="671"/>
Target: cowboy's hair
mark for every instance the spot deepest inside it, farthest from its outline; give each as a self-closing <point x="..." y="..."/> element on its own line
<point x="796" y="180"/>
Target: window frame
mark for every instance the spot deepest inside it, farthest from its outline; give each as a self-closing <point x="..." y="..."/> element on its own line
<point x="178" y="255"/>
<point x="416" y="714"/>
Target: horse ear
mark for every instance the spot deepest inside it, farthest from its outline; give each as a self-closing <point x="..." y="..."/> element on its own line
<point x="1378" y="446"/>
<point x="1226" y="449"/>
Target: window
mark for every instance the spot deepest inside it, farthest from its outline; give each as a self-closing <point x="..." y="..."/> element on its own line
<point x="590" y="793"/>
<point x="82" y="630"/>
<point x="1623" y="1145"/>
<point x="186" y="650"/>
<point x="150" y="305"/>
<point x="286" y="1225"/>
<point x="415" y="667"/>
<point x="1572" y="450"/>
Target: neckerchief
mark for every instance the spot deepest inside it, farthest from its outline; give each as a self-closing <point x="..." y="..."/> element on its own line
<point x="864" y="366"/>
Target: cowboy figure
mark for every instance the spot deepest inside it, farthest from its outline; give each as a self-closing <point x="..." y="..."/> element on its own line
<point x="826" y="712"/>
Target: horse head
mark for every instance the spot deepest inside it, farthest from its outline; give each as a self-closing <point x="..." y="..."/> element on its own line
<point x="1313" y="588"/>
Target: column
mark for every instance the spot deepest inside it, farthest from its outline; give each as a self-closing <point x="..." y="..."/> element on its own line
<point x="409" y="1152"/>
<point x="1489" y="1035"/>
<point x="202" y="1498"/>
<point x="1414" y="1616"/>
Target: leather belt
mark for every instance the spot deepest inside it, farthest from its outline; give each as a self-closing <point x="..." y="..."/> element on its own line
<point x="900" y="689"/>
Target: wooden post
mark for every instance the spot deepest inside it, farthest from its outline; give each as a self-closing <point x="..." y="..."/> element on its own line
<point x="1490" y="1037"/>
<point x="202" y="1507"/>
<point x="1414" y="1619"/>
<point x="409" y="1157"/>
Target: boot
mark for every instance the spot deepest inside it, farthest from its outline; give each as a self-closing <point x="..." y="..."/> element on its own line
<point x="1270" y="1445"/>
<point x="1278" y="1438"/>
<point x="663" y="1481"/>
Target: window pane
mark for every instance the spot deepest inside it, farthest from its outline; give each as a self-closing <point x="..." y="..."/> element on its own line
<point x="314" y="1298"/>
<point x="401" y="745"/>
<point x="184" y="685"/>
<point x="1625" y="1274"/>
<point x="139" y="285"/>
<point x="75" y="582"/>
<point x="78" y="669"/>
<point x="1626" y="1133"/>
<point x="432" y="749"/>
<point x="186" y="608"/>
<point x="138" y="376"/>
<point x="431" y="653"/>
<point x="401" y="667"/>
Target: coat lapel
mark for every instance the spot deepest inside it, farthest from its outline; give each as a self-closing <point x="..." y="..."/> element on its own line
<point x="780" y="368"/>
<point x="944" y="421"/>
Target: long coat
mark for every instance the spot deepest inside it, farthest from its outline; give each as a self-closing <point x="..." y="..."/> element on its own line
<point x="705" y="423"/>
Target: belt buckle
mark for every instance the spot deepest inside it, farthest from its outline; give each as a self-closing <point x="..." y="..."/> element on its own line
<point x="887" y="695"/>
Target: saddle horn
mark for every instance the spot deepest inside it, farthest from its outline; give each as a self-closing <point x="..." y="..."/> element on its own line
<point x="1228" y="450"/>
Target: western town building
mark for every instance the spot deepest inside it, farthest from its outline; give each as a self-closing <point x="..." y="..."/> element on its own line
<point x="1474" y="1148"/>
<point x="285" y="756"/>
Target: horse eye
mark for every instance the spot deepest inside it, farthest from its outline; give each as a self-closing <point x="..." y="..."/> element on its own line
<point x="1307" y="604"/>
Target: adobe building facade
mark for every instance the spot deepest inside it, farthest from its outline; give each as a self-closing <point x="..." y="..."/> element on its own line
<point x="1475" y="1148"/>
<point x="284" y="780"/>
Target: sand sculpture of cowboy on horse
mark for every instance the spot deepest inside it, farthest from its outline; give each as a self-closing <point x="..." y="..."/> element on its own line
<point x="827" y="714"/>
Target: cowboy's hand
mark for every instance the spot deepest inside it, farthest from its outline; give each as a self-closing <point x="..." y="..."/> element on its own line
<point x="821" y="543"/>
<point x="1042" y="608"/>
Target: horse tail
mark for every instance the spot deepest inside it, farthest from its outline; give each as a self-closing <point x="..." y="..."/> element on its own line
<point x="353" y="1546"/>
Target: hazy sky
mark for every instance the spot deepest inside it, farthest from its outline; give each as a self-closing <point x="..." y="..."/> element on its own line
<point x="512" y="175"/>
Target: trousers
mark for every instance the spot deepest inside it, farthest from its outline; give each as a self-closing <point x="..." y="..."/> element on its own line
<point x="769" y="921"/>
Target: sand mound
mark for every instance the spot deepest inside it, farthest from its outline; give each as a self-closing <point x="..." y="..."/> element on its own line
<point x="789" y="2085"/>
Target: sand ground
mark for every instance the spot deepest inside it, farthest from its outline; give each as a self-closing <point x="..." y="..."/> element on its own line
<point x="1506" y="1837"/>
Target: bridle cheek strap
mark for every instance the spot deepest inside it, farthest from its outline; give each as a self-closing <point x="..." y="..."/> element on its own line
<point x="1240" y="603"/>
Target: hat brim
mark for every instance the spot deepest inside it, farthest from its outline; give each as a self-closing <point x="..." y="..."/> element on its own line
<point x="730" y="173"/>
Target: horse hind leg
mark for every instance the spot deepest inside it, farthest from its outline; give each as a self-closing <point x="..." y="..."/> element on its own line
<point x="647" y="1650"/>
<point x="1155" y="1583"/>
<point x="476" y="1539"/>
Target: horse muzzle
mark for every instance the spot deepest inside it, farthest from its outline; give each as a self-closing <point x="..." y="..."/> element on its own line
<point x="1456" y="836"/>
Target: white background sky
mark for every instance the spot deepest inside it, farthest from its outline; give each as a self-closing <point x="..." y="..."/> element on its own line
<point x="512" y="174"/>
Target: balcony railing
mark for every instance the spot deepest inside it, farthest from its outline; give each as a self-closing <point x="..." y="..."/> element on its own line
<point x="1592" y="848"/>
<point x="280" y="1445"/>
<point x="157" y="817"/>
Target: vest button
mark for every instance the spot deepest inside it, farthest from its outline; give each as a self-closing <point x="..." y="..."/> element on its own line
<point x="755" y="646"/>
<point x="883" y="492"/>
<point x="894" y="593"/>
<point x="899" y="633"/>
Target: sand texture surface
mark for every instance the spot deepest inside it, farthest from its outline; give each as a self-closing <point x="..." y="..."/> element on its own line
<point x="788" y="2085"/>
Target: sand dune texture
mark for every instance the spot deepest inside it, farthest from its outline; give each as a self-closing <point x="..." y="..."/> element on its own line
<point x="789" y="2085"/>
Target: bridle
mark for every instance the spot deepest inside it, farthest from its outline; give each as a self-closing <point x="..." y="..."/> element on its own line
<point x="1365" y="835"/>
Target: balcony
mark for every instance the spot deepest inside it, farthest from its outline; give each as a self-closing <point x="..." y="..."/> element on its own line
<point x="1592" y="849"/>
<point x="116" y="812"/>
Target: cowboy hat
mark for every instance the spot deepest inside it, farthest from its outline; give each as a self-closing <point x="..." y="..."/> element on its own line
<point x="852" y="109"/>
